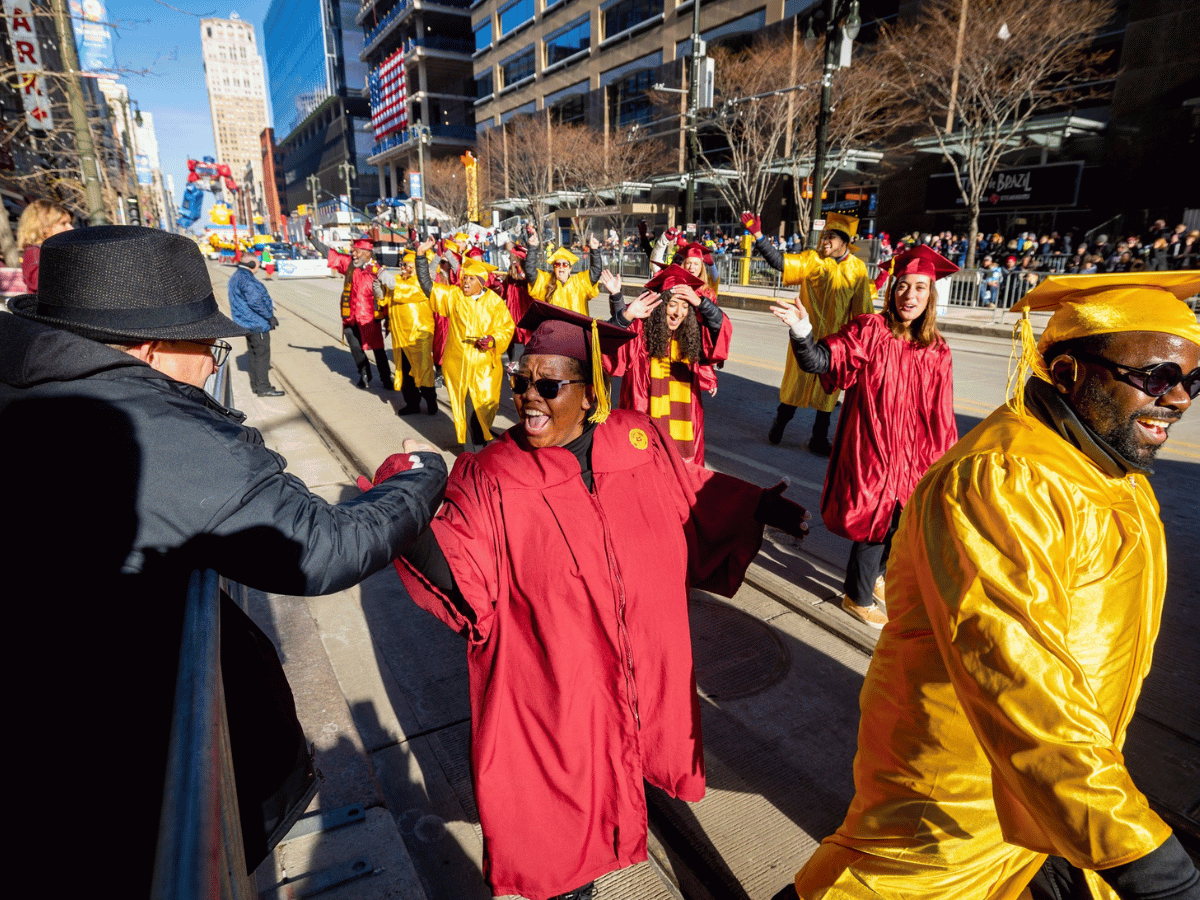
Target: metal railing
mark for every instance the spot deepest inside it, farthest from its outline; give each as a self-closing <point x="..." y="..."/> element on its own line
<point x="199" y="854"/>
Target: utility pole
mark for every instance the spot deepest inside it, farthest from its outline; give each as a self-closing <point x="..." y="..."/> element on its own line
<point x="693" y="104"/>
<point x="348" y="173"/>
<point x="850" y="32"/>
<point x="134" y="204"/>
<point x="84" y="145"/>
<point x="314" y="184"/>
<point x="422" y="134"/>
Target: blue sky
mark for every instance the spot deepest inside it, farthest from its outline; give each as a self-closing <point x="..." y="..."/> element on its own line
<point x="157" y="50"/>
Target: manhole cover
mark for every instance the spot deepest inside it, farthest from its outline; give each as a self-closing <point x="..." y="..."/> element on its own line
<point x="735" y="654"/>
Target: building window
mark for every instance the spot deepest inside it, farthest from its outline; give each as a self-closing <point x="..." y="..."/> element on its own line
<point x="483" y="35"/>
<point x="628" y="102"/>
<point x="568" y="41"/>
<point x="625" y="14"/>
<point x="571" y="111"/>
<point x="518" y="66"/>
<point x="483" y="85"/>
<point x="515" y="14"/>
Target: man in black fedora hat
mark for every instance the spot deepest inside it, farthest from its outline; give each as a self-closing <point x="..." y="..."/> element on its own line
<point x="121" y="476"/>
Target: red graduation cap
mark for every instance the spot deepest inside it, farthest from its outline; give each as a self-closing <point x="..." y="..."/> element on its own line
<point x="363" y="243"/>
<point x="518" y="252"/>
<point x="561" y="332"/>
<point x="921" y="260"/>
<point x="672" y="276"/>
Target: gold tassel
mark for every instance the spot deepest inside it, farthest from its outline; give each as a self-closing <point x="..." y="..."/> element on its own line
<point x="599" y="382"/>
<point x="1030" y="361"/>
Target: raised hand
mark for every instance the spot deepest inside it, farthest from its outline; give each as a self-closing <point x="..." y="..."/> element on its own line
<point x="425" y="246"/>
<point x="752" y="223"/>
<point x="308" y="227"/>
<point x="790" y="314"/>
<point x="531" y="237"/>
<point x="592" y="242"/>
<point x="611" y="282"/>
<point x="645" y="303"/>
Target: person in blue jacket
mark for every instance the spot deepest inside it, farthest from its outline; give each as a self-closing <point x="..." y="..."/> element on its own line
<point x="251" y="307"/>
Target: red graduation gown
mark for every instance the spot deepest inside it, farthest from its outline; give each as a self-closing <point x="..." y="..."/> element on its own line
<point x="897" y="420"/>
<point x="515" y="295"/>
<point x="578" y="646"/>
<point x="362" y="299"/>
<point x="632" y="362"/>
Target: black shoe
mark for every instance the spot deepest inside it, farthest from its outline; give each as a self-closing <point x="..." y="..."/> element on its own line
<point x="270" y="392"/>
<point x="361" y="384"/>
<point x="775" y="435"/>
<point x="820" y="446"/>
<point x="429" y="395"/>
<point x="410" y="410"/>
<point x="587" y="892"/>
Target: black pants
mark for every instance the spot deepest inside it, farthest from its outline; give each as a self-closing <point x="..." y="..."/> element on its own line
<point x="354" y="340"/>
<point x="785" y="411"/>
<point x="408" y="386"/>
<point x="868" y="560"/>
<point x="475" y="440"/>
<point x="258" y="360"/>
<point x="1057" y="879"/>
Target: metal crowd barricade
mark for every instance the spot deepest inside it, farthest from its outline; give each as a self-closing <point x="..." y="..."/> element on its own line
<point x="199" y="854"/>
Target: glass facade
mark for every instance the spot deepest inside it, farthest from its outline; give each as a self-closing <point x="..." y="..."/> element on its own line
<point x="294" y="47"/>
<point x="483" y="84"/>
<point x="515" y="14"/>
<point x="566" y="42"/>
<point x="518" y="66"/>
<point x="483" y="35"/>
<point x="628" y="102"/>
<point x="624" y="14"/>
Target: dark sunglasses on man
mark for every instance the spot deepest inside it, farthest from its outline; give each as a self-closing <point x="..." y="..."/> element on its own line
<point x="1154" y="381"/>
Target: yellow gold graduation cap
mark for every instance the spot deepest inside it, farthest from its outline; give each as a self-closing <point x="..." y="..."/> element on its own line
<point x="1085" y="305"/>
<point x="564" y="254"/>
<point x="476" y="267"/>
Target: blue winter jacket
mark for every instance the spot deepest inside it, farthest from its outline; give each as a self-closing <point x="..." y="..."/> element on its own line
<point x="249" y="303"/>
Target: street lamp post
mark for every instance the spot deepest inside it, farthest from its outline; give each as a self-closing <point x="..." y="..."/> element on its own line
<point x="835" y="10"/>
<point x="422" y="134"/>
<point x="314" y="184"/>
<point x="348" y="173"/>
<point x="693" y="105"/>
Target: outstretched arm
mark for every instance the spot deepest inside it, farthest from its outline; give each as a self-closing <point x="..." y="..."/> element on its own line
<point x="813" y="356"/>
<point x="595" y="259"/>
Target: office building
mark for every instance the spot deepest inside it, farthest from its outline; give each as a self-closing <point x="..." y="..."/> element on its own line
<point x="318" y="86"/>
<point x="237" y="97"/>
<point x="420" y="74"/>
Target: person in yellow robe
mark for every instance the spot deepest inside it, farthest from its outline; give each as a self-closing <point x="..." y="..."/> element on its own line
<point x="1024" y="598"/>
<point x="562" y="288"/>
<point x="411" y="323"/>
<point x="479" y="328"/>
<point x="834" y="288"/>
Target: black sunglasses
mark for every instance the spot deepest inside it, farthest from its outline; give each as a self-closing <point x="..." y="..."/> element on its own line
<point x="1154" y="381"/>
<point x="547" y="388"/>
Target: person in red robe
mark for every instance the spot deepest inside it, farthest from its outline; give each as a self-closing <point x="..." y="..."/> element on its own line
<point x="668" y="366"/>
<point x="896" y="421"/>
<point x="360" y="293"/>
<point x="564" y="554"/>
<point x="513" y="289"/>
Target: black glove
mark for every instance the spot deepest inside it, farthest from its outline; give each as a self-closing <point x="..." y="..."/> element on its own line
<point x="786" y="515"/>
<point x="273" y="322"/>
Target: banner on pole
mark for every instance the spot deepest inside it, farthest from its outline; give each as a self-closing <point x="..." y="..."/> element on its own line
<point x="27" y="57"/>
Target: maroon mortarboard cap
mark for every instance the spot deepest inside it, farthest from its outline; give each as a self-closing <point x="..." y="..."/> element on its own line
<point x="695" y="249"/>
<point x="519" y="252"/>
<point x="475" y="253"/>
<point x="670" y="277"/>
<point x="561" y="332"/>
<point x="363" y="244"/>
<point x="922" y="261"/>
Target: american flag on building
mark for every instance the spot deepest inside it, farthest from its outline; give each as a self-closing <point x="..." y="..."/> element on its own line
<point x="388" y="87"/>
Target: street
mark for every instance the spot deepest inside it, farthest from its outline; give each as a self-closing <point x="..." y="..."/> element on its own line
<point x="778" y="669"/>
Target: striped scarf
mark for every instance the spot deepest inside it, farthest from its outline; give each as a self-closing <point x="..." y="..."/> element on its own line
<point x="671" y="398"/>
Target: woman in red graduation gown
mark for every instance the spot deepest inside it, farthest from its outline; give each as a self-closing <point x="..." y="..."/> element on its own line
<point x="896" y="421"/>
<point x="564" y="554"/>
<point x="669" y="365"/>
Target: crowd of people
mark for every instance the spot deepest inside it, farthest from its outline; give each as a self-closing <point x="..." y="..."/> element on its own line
<point x="994" y="711"/>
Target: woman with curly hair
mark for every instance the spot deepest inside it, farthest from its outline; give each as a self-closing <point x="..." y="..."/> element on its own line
<point x="665" y="371"/>
<point x="897" y="420"/>
<point x="39" y="220"/>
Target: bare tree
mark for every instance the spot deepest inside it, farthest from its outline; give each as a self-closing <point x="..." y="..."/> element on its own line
<point x="446" y="187"/>
<point x="749" y="120"/>
<point x="522" y="167"/>
<point x="979" y="75"/>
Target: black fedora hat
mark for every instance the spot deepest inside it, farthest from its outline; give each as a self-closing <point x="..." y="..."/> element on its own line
<point x="116" y="283"/>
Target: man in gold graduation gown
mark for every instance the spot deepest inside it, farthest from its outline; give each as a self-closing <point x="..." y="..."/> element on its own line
<point x="1024" y="598"/>
<point x="561" y="288"/>
<point x="411" y="322"/>
<point x="834" y="288"/>
<point x="479" y="329"/>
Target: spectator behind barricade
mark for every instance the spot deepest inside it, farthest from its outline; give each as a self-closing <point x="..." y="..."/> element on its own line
<point x="1102" y="247"/>
<point x="39" y="220"/>
<point x="1078" y="261"/>
<point x="109" y="433"/>
<point x="990" y="275"/>
<point x="1187" y="257"/>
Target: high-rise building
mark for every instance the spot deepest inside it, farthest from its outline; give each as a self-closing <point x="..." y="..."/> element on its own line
<point x="319" y="99"/>
<point x="237" y="96"/>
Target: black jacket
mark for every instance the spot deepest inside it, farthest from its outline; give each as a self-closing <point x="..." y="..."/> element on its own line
<point x="118" y="482"/>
